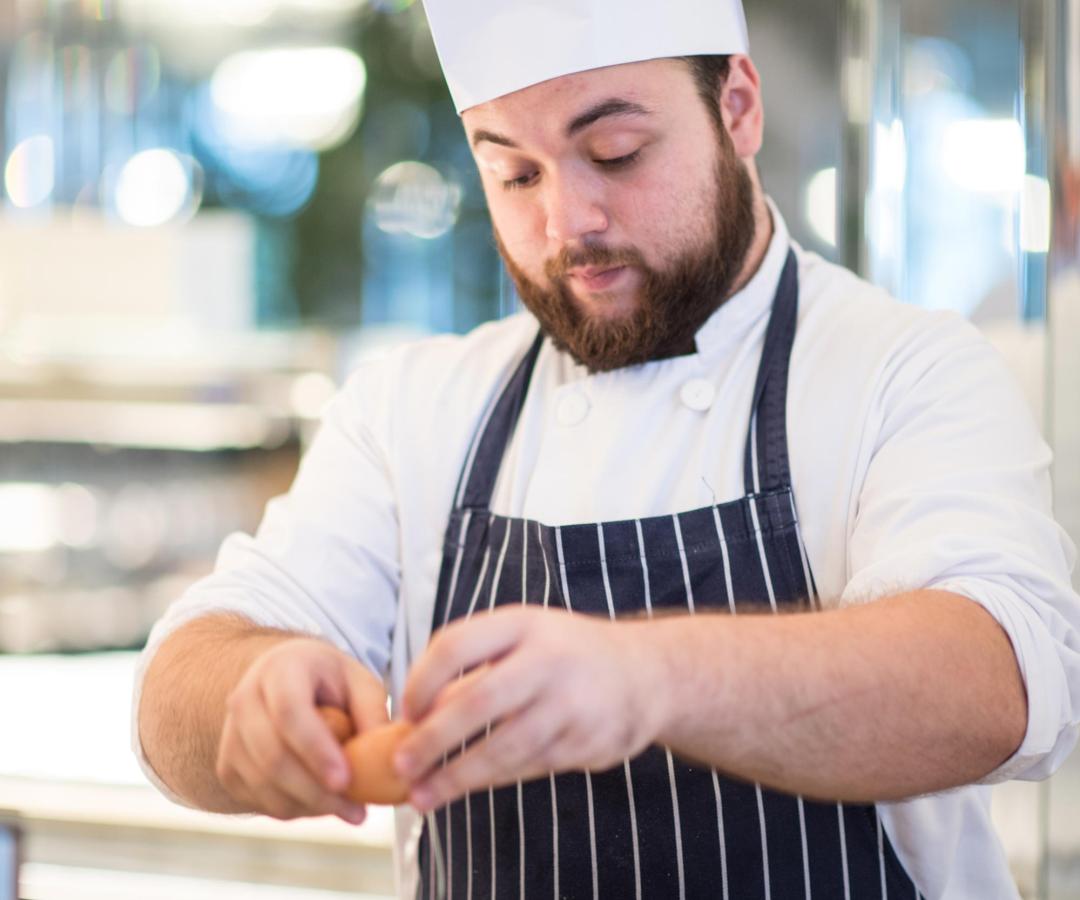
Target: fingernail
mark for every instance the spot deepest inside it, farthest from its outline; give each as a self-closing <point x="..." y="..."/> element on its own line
<point x="423" y="798"/>
<point x="355" y="815"/>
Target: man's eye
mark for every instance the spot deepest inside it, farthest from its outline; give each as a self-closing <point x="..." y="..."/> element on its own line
<point x="516" y="184"/>
<point x="619" y="162"/>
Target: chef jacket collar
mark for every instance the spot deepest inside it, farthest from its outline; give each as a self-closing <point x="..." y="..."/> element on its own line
<point x="734" y="319"/>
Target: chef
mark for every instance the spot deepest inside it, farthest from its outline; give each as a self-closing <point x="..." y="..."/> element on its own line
<point x="716" y="573"/>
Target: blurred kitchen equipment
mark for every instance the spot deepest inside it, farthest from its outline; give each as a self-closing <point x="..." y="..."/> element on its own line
<point x="10" y="856"/>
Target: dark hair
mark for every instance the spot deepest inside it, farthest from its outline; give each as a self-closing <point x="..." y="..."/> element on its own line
<point x="710" y="73"/>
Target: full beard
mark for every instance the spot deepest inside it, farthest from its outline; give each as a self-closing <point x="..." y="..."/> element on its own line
<point x="673" y="302"/>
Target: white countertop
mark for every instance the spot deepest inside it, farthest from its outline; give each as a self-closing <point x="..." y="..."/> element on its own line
<point x="65" y="755"/>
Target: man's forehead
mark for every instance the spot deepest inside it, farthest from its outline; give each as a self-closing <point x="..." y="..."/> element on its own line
<point x="572" y="102"/>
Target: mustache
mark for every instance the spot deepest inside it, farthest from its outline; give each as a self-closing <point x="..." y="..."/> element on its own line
<point x="594" y="255"/>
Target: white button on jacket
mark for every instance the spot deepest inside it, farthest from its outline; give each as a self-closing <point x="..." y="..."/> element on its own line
<point x="698" y="394"/>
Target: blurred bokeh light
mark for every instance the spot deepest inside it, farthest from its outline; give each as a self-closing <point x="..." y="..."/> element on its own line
<point x="157" y="186"/>
<point x="29" y="175"/>
<point x="304" y="97"/>
<point x="414" y="198"/>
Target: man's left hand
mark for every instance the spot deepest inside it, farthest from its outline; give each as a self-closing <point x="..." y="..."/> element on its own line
<point x="544" y="691"/>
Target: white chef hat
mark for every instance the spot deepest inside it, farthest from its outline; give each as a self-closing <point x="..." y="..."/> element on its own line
<point x="493" y="47"/>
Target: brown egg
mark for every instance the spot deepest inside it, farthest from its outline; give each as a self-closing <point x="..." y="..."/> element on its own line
<point x="371" y="757"/>
<point x="340" y="723"/>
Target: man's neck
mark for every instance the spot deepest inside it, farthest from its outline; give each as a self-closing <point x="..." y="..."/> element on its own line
<point x="763" y="233"/>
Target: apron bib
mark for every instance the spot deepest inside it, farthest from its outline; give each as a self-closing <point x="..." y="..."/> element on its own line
<point x="654" y="827"/>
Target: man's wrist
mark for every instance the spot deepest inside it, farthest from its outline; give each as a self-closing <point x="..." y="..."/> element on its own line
<point x="674" y="673"/>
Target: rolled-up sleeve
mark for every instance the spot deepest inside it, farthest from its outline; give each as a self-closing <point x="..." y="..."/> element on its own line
<point x="325" y="558"/>
<point x="955" y="495"/>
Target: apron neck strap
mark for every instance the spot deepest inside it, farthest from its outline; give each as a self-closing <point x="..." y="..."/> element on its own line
<point x="477" y="482"/>
<point x="765" y="467"/>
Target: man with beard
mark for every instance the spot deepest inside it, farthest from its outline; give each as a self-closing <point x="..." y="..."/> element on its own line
<point x="625" y="593"/>
<point x="673" y="302"/>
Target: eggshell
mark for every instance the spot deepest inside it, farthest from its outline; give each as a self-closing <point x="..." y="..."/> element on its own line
<point x="371" y="757"/>
<point x="340" y="723"/>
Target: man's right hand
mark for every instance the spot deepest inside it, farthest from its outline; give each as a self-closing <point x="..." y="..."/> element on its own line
<point x="276" y="755"/>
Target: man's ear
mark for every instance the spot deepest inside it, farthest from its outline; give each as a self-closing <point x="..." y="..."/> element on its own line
<point x="740" y="106"/>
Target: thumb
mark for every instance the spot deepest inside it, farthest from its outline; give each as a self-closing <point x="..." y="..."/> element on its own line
<point x="367" y="698"/>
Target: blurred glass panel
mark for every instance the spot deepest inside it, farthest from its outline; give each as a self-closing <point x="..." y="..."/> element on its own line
<point x="1060" y="33"/>
<point x="798" y="44"/>
<point x="945" y="154"/>
<point x="959" y="195"/>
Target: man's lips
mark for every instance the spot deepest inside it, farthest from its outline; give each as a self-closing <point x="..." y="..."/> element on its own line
<point x="597" y="278"/>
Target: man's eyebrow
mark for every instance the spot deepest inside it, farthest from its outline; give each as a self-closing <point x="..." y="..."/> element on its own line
<point x="490" y="136"/>
<point x="611" y="107"/>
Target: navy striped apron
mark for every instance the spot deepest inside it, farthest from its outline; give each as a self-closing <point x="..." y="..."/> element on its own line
<point x="656" y="826"/>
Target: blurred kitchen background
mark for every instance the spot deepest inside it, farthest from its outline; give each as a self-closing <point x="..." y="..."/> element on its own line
<point x="213" y="208"/>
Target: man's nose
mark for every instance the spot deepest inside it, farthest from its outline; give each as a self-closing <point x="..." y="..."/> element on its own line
<point x="574" y="209"/>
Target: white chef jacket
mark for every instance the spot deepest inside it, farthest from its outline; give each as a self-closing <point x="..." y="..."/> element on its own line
<point x="915" y="464"/>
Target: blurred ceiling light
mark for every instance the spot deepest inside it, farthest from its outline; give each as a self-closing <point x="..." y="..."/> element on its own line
<point x="29" y="520"/>
<point x="1035" y="215"/>
<point x="270" y="179"/>
<point x="29" y="176"/>
<point x="155" y="187"/>
<point x="414" y="198"/>
<point x="308" y="97"/>
<point x="819" y="203"/>
<point x="984" y="155"/>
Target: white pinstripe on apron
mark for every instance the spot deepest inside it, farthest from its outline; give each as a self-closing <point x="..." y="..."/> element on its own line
<point x="654" y="826"/>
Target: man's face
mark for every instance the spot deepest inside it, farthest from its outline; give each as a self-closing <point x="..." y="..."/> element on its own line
<point x="622" y="212"/>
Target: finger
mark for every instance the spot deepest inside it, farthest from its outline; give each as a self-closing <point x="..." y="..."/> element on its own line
<point x="276" y="765"/>
<point x="248" y="784"/>
<point x="464" y="708"/>
<point x="519" y="749"/>
<point x="339" y="722"/>
<point x="276" y="800"/>
<point x="295" y="718"/>
<point x="453" y="689"/>
<point x="227" y="767"/>
<point x="412" y="765"/>
<point x="366" y="698"/>
<point x="456" y="648"/>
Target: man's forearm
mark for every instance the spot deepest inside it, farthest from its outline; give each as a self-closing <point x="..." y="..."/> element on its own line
<point x="904" y="696"/>
<point x="182" y="706"/>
